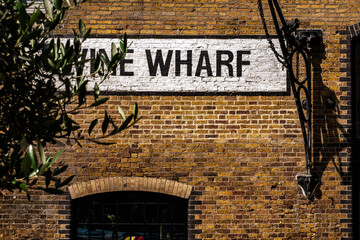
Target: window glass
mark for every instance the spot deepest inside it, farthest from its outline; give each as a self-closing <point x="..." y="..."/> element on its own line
<point x="130" y="216"/>
<point x="357" y="85"/>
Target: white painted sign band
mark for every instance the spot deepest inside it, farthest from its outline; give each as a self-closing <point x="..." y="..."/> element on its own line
<point x="192" y="65"/>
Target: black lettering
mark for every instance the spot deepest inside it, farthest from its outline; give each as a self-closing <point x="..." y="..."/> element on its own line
<point x="187" y="62"/>
<point x="240" y="62"/>
<point x="92" y="56"/>
<point x="204" y="55"/>
<point x="102" y="51"/>
<point x="122" y="65"/>
<point x="164" y="68"/>
<point x="220" y="62"/>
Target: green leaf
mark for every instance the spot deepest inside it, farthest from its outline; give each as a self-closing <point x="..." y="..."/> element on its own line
<point x="33" y="173"/>
<point x="67" y="68"/>
<point x="97" y="64"/>
<point x="48" y="8"/>
<point x="123" y="44"/>
<point x="64" y="61"/>
<point x="114" y="61"/>
<point x="82" y="28"/>
<point x="32" y="36"/>
<point x="62" y="49"/>
<point x="114" y="50"/>
<point x="86" y="35"/>
<point x="122" y="114"/>
<point x="41" y="153"/>
<point x="136" y="110"/>
<point x="52" y="161"/>
<point x="34" y="17"/>
<point x="77" y="45"/>
<point x="32" y="156"/>
<point x="67" y="87"/>
<point x="105" y="123"/>
<point x="23" y="17"/>
<point x="69" y="51"/>
<point x="24" y="58"/>
<point x="18" y="5"/>
<point x="82" y="92"/>
<point x="56" y="50"/>
<point x="75" y="34"/>
<point x="43" y="168"/>
<point x="26" y="165"/>
<point x="23" y="186"/>
<point x="51" y="63"/>
<point x="55" y="22"/>
<point x="24" y="144"/>
<point x="96" y="91"/>
<point x="100" y="71"/>
<point x="58" y="4"/>
<point x="105" y="59"/>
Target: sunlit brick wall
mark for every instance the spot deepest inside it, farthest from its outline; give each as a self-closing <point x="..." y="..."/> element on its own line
<point x="240" y="152"/>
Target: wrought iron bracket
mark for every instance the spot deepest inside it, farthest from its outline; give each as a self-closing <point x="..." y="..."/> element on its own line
<point x="308" y="183"/>
<point x="309" y="38"/>
<point x="296" y="44"/>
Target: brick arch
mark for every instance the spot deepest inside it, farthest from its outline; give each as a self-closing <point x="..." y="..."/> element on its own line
<point x="114" y="184"/>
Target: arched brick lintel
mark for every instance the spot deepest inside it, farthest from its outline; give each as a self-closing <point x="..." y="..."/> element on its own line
<point x="114" y="184"/>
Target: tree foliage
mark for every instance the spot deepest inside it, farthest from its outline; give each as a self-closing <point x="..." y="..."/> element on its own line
<point x="42" y="86"/>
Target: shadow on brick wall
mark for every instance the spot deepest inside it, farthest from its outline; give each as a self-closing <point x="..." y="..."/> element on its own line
<point x="326" y="126"/>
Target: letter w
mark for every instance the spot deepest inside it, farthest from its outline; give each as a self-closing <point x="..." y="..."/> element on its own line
<point x="164" y="68"/>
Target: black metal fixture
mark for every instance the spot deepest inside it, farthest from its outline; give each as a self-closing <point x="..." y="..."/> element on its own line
<point x="297" y="45"/>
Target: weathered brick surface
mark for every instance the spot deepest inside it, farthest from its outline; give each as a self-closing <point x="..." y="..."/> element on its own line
<point x="239" y="153"/>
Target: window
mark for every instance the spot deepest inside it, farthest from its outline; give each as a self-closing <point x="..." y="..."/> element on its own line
<point x="356" y="146"/>
<point x="356" y="63"/>
<point x="130" y="215"/>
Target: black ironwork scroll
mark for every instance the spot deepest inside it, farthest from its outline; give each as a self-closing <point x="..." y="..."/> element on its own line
<point x="297" y="45"/>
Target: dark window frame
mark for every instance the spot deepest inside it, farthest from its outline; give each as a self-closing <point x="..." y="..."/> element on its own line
<point x="92" y="218"/>
<point x="355" y="68"/>
<point x="356" y="81"/>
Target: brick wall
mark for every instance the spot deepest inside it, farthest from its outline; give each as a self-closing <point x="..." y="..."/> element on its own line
<point x="240" y="153"/>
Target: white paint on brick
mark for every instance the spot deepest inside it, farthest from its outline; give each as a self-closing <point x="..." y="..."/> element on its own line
<point x="264" y="74"/>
